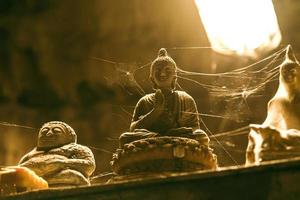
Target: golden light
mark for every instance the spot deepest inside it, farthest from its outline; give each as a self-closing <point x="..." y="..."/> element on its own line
<point x="242" y="27"/>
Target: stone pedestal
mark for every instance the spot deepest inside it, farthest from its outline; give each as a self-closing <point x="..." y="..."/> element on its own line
<point x="162" y="154"/>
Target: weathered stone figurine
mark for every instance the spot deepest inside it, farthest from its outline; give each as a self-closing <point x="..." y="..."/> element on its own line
<point x="279" y="135"/>
<point x="167" y="112"/>
<point x="165" y="134"/>
<point x="58" y="158"/>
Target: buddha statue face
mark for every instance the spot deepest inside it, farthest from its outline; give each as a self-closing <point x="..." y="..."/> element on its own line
<point x="290" y="72"/>
<point x="55" y="134"/>
<point x="164" y="76"/>
<point x="163" y="71"/>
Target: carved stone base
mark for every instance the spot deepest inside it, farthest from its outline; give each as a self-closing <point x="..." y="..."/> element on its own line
<point x="273" y="154"/>
<point x="163" y="154"/>
<point x="266" y="144"/>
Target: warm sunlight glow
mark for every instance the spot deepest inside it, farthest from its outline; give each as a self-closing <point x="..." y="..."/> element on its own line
<point x="243" y="27"/>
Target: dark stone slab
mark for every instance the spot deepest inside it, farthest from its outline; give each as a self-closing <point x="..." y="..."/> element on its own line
<point x="270" y="180"/>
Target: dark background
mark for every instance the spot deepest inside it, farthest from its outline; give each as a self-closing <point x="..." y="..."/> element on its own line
<point x="52" y="67"/>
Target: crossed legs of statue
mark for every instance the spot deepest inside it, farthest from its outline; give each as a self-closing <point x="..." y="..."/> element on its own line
<point x="139" y="134"/>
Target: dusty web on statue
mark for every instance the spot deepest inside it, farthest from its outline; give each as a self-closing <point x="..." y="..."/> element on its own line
<point x="232" y="89"/>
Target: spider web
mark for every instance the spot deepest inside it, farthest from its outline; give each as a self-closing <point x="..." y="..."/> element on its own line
<point x="233" y="88"/>
<point x="229" y="90"/>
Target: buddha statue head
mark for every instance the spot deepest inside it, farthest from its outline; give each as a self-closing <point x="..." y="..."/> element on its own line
<point x="163" y="71"/>
<point x="55" y="134"/>
<point x="290" y="74"/>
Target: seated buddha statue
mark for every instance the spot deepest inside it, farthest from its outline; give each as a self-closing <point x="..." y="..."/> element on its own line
<point x="167" y="112"/>
<point x="58" y="158"/>
<point x="165" y="132"/>
<point x="279" y="135"/>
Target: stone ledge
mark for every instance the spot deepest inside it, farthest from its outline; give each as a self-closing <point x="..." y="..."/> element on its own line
<point x="270" y="180"/>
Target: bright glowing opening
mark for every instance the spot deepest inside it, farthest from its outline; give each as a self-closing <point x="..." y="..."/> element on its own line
<point x="242" y="27"/>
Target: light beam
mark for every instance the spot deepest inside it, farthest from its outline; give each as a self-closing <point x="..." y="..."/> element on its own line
<point x="240" y="27"/>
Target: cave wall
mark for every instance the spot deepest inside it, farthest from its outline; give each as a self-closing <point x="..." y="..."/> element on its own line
<point x="51" y="67"/>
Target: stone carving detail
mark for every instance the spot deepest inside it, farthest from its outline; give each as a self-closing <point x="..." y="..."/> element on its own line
<point x="58" y="158"/>
<point x="165" y="132"/>
<point x="161" y="154"/>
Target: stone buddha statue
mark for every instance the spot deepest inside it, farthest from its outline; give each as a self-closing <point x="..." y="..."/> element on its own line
<point x="279" y="135"/>
<point x="58" y="158"/>
<point x="165" y="134"/>
<point x="167" y="112"/>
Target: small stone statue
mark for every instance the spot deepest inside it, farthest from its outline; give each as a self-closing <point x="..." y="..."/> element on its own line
<point x="165" y="134"/>
<point x="167" y="112"/>
<point x="58" y="158"/>
<point x="279" y="135"/>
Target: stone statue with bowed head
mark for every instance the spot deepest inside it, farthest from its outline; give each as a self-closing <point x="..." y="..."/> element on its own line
<point x="279" y="135"/>
<point x="167" y="112"/>
<point x="58" y="158"/>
